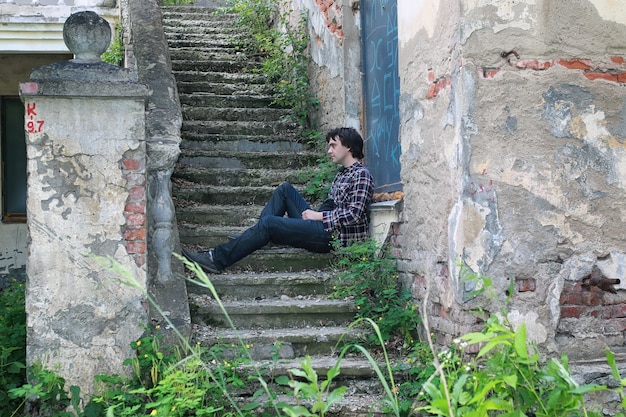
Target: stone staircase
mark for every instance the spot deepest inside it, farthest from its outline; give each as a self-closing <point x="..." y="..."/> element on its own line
<point x="236" y="148"/>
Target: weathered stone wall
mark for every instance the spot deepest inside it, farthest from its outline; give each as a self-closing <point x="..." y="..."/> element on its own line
<point x="512" y="127"/>
<point x="514" y="163"/>
<point x="86" y="207"/>
<point x="335" y="52"/>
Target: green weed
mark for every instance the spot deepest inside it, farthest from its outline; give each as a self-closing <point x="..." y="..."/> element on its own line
<point x="369" y="273"/>
<point x="283" y="49"/>
<point x="12" y="344"/>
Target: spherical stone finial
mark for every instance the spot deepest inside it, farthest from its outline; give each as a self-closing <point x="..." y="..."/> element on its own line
<point x="87" y="35"/>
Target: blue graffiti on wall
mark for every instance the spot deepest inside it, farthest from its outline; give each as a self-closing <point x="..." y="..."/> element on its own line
<point x="381" y="88"/>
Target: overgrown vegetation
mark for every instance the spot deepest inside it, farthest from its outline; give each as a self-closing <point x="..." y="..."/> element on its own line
<point x="317" y="179"/>
<point x="369" y="274"/>
<point x="12" y="344"/>
<point x="280" y="37"/>
<point x="115" y="53"/>
<point x="506" y="378"/>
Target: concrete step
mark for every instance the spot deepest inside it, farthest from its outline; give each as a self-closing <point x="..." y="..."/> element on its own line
<point x="191" y="12"/>
<point x="268" y="259"/>
<point x="194" y="54"/>
<point x="197" y="24"/>
<point x="222" y="194"/>
<point x="240" y="127"/>
<point x="251" y="160"/>
<point x="286" y="343"/>
<point x="271" y="313"/>
<point x="220" y="88"/>
<point x="244" y="115"/>
<point x="249" y="285"/>
<point x="214" y="142"/>
<point x="204" y="99"/>
<point x="236" y="218"/>
<point x="221" y="77"/>
<point x="223" y="65"/>
<point x="236" y="178"/>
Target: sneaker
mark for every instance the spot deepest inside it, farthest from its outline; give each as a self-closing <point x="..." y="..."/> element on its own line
<point x="204" y="259"/>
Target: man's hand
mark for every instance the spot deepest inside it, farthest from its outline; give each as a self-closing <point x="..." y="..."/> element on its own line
<point x="312" y="215"/>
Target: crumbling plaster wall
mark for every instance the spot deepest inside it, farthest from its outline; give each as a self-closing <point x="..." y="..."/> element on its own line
<point x="334" y="75"/>
<point x="516" y="164"/>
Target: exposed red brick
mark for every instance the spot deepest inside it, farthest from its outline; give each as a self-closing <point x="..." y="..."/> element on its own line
<point x="431" y="91"/>
<point x="610" y="312"/>
<point x="583" y="64"/>
<point x="135" y="234"/>
<point x="135" y="207"/>
<point x="589" y="298"/>
<point x="136" y="247"/>
<point x="431" y="76"/>
<point x="621" y="77"/>
<point x="571" y="298"/>
<point x="572" y="312"/>
<point x="533" y="64"/>
<point x="526" y="284"/>
<point x="135" y="219"/>
<point x="617" y="311"/>
<point x="439" y="85"/>
<point x="136" y="193"/>
<point x="131" y="164"/>
<point x="340" y="33"/>
<point x="597" y="75"/>
<point x="490" y="72"/>
<point x="617" y="59"/>
<point x="140" y="260"/>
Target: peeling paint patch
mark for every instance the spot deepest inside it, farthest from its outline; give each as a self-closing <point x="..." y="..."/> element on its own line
<point x="611" y="10"/>
<point x="416" y="15"/>
<point x="514" y="13"/>
<point x="535" y="331"/>
<point x="558" y="107"/>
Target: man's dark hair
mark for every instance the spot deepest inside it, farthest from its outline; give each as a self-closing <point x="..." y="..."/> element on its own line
<point x="349" y="138"/>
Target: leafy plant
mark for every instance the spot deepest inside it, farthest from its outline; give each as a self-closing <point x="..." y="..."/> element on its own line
<point x="12" y="344"/>
<point x="506" y="378"/>
<point x="367" y="272"/>
<point x="323" y="398"/>
<point x="46" y="395"/>
<point x="318" y="178"/>
<point x="284" y="49"/>
<point x="115" y="53"/>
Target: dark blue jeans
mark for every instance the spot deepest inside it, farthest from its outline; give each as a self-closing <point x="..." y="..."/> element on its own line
<point x="274" y="227"/>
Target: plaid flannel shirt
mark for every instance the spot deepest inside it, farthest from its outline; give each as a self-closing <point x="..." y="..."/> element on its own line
<point x="351" y="191"/>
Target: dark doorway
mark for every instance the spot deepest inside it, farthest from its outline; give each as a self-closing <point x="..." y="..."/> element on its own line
<point x="381" y="89"/>
<point x="13" y="145"/>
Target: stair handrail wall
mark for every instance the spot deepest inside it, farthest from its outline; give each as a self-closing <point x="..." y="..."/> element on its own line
<point x="147" y="50"/>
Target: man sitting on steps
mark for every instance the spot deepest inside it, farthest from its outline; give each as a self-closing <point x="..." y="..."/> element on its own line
<point x="343" y="215"/>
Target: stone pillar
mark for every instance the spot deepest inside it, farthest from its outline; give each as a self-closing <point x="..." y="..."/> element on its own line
<point x="85" y="125"/>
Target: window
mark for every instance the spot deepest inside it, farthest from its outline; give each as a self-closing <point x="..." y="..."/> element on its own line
<point x="13" y="146"/>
